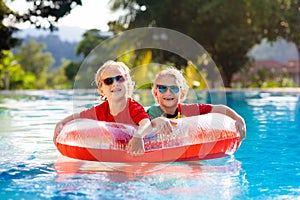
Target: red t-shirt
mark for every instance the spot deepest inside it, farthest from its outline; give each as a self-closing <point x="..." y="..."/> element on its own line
<point x="189" y="110"/>
<point x="132" y="114"/>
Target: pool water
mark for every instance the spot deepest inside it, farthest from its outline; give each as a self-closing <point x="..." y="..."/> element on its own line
<point x="266" y="166"/>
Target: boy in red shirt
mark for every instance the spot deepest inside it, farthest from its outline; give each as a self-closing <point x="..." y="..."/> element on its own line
<point x="170" y="89"/>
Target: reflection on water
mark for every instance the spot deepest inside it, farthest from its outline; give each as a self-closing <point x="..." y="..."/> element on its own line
<point x="32" y="168"/>
<point x="160" y="180"/>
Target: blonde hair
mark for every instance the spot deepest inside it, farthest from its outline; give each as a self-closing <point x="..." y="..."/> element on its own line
<point x="179" y="79"/>
<point x="120" y="65"/>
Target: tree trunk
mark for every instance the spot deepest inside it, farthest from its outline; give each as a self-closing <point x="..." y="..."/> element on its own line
<point x="227" y="77"/>
<point x="6" y="80"/>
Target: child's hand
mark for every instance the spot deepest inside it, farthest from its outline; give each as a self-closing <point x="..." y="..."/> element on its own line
<point x="163" y="125"/>
<point x="136" y="146"/>
<point x="59" y="126"/>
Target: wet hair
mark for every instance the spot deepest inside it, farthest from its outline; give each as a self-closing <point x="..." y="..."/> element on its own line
<point x="122" y="67"/>
<point x="179" y="79"/>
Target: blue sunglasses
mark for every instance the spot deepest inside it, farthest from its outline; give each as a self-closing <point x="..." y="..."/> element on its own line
<point x="163" y="88"/>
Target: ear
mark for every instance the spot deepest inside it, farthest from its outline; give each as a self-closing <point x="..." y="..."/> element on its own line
<point x="100" y="90"/>
<point x="182" y="94"/>
<point x="155" y="93"/>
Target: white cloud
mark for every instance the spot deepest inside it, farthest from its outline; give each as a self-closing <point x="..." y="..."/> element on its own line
<point x="92" y="14"/>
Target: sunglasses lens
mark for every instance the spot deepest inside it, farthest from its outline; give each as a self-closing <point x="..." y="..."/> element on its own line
<point x="108" y="81"/>
<point x="162" y="88"/>
<point x="174" y="89"/>
<point x="120" y="78"/>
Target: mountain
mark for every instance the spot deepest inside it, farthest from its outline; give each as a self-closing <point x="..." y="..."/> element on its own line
<point x="62" y="44"/>
<point x="280" y="51"/>
<point x="58" y="48"/>
<point x="65" y="33"/>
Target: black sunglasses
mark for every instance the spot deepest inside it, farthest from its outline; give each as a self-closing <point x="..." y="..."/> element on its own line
<point x="111" y="80"/>
<point x="163" y="88"/>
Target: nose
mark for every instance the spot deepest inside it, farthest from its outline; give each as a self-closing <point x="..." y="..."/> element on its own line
<point x="115" y="82"/>
<point x="168" y="91"/>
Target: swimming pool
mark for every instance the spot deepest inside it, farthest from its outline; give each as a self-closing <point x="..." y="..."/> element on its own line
<point x="266" y="166"/>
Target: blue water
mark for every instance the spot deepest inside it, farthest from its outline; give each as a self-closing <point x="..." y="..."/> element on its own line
<point x="266" y="166"/>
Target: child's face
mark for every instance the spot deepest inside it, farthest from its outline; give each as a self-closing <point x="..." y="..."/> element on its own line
<point x="167" y="97"/>
<point x="114" y="88"/>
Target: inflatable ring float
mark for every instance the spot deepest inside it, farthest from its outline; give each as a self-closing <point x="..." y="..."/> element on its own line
<point x="193" y="138"/>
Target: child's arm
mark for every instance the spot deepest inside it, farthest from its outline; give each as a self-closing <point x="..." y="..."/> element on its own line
<point x="61" y="124"/>
<point x="240" y="122"/>
<point x="163" y="125"/>
<point x="136" y="144"/>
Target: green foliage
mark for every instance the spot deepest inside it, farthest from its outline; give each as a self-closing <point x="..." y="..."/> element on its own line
<point x="31" y="69"/>
<point x="33" y="60"/>
<point x="91" y="39"/>
<point x="7" y="41"/>
<point x="42" y="14"/>
<point x="12" y="76"/>
<point x="71" y="69"/>
<point x="45" y="13"/>
<point x="226" y="29"/>
<point x="58" y="48"/>
<point x="287" y="24"/>
<point x="27" y="81"/>
<point x="57" y="79"/>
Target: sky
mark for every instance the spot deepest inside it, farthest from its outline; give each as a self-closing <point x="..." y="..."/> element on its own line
<point x="92" y="14"/>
